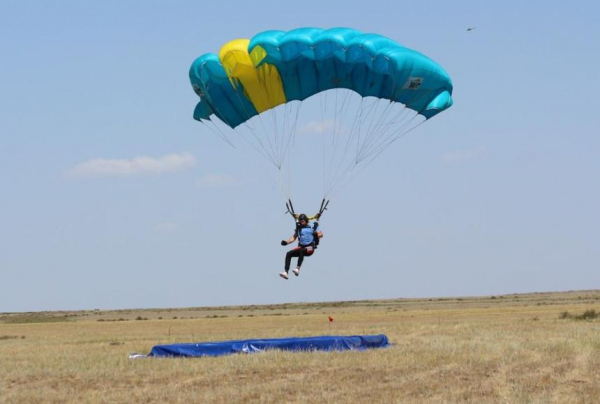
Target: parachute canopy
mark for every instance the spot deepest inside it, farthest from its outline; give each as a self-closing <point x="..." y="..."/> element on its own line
<point x="250" y="76"/>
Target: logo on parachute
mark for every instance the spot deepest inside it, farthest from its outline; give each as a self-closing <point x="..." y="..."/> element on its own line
<point x="413" y="83"/>
<point x="197" y="90"/>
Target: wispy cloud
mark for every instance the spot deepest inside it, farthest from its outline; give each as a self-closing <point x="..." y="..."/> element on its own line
<point x="317" y="127"/>
<point x="101" y="167"/>
<point x="168" y="227"/>
<point x="459" y="156"/>
<point x="215" y="180"/>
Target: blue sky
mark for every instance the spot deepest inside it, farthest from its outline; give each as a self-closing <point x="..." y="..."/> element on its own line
<point x="114" y="197"/>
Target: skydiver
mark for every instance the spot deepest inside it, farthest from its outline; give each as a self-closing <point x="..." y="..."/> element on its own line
<point x="308" y="238"/>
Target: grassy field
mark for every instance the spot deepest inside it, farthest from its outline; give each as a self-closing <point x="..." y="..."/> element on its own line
<point x="534" y="348"/>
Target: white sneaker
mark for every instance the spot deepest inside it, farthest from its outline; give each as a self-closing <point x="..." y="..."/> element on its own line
<point x="296" y="271"/>
<point x="284" y="275"/>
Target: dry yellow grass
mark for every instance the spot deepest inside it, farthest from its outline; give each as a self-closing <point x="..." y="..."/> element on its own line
<point x="495" y="349"/>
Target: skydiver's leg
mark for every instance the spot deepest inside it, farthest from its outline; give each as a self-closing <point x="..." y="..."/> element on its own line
<point x="304" y="252"/>
<point x="301" y="257"/>
<point x="288" y="257"/>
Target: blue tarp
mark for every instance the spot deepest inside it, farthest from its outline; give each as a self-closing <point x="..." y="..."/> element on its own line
<point x="321" y="343"/>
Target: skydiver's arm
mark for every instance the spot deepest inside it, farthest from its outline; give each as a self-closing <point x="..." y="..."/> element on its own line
<point x="319" y="234"/>
<point x="289" y="240"/>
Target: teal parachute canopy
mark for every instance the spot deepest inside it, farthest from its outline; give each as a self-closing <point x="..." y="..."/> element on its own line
<point x="250" y="76"/>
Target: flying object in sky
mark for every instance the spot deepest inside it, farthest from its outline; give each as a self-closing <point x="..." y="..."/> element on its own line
<point x="471" y="29"/>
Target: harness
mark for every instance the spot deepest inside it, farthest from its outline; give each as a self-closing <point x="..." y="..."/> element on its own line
<point x="315" y="242"/>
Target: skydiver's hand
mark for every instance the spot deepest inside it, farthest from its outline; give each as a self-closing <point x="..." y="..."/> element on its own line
<point x="284" y="242"/>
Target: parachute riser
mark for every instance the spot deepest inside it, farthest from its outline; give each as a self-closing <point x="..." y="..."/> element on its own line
<point x="315" y="217"/>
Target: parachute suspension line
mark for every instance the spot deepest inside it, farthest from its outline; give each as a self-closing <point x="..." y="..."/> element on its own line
<point x="272" y="137"/>
<point x="335" y="140"/>
<point x="382" y="140"/>
<point x="358" y="132"/>
<point x="266" y="96"/>
<point x="372" y="130"/>
<point x="292" y="132"/>
<point x="374" y="157"/>
<point x="338" y="129"/>
<point x="343" y="111"/>
<point x="395" y="136"/>
<point x="351" y="135"/>
<point x="323" y="147"/>
<point x="263" y="149"/>
<point x="248" y="115"/>
<point x="335" y="120"/>
<point x="384" y="125"/>
<point x="281" y="132"/>
<point x="375" y="133"/>
<point x="288" y="137"/>
<point x="268" y="139"/>
<point x="384" y="119"/>
<point x="339" y="172"/>
<point x="342" y="164"/>
<point x="268" y="134"/>
<point x="375" y="139"/>
<point x="370" y="125"/>
<point x="385" y="141"/>
<point x="217" y="131"/>
<point x="220" y="133"/>
<point x="331" y="158"/>
<point x="400" y="115"/>
<point x="272" y="181"/>
<point x="275" y="133"/>
<point x="266" y="151"/>
<point x="288" y="130"/>
<point x="285" y="131"/>
<point x="284" y="192"/>
<point x="290" y="178"/>
<point x="363" y="118"/>
<point x="284" y="155"/>
<point x="262" y="152"/>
